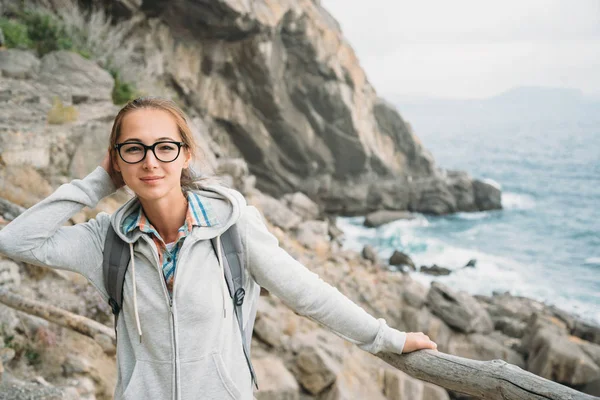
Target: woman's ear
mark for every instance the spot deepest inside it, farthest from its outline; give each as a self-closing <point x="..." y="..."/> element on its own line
<point x="188" y="157"/>
<point x="115" y="164"/>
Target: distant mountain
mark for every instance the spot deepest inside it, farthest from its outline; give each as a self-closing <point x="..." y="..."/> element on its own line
<point x="530" y="104"/>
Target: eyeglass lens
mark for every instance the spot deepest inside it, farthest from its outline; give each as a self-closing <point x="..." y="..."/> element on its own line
<point x="135" y="152"/>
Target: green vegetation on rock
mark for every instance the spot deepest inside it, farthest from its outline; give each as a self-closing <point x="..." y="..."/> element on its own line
<point x="122" y="91"/>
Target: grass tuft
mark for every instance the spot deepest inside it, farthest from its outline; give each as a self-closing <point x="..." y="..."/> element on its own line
<point x="60" y="114"/>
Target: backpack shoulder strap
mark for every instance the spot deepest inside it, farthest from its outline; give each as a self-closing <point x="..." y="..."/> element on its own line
<point x="232" y="248"/>
<point x="114" y="266"/>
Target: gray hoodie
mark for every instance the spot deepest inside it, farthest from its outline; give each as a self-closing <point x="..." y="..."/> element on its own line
<point x="188" y="347"/>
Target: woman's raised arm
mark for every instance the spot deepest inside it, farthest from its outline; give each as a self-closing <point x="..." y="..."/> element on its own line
<point x="38" y="236"/>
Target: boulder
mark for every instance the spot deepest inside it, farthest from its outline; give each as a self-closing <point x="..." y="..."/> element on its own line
<point x="382" y="217"/>
<point x="18" y="64"/>
<point x="401" y="386"/>
<point x="487" y="195"/>
<point x="555" y="355"/>
<point x="369" y="253"/>
<point x="458" y="309"/>
<point x="422" y="320"/>
<point x="414" y="293"/>
<point x="435" y="270"/>
<point x="313" y="235"/>
<point x="302" y="205"/>
<point x="316" y="369"/>
<point x="477" y="346"/>
<point x="276" y="382"/>
<point x="400" y="258"/>
<point x="276" y="212"/>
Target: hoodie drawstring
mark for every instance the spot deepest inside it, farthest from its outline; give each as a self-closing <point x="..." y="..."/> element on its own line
<point x="224" y="290"/>
<point x="135" y="307"/>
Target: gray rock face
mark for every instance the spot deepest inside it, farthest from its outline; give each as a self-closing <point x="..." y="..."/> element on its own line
<point x="278" y="83"/>
<point x="379" y="218"/>
<point x="400" y="258"/>
<point x="554" y="355"/>
<point x="75" y="78"/>
<point x="458" y="309"/>
<point x="18" y="64"/>
<point x="276" y="382"/>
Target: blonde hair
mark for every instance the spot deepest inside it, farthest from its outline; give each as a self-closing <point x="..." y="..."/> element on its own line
<point x="190" y="180"/>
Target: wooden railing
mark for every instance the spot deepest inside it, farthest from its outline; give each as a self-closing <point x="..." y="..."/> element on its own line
<point x="494" y="379"/>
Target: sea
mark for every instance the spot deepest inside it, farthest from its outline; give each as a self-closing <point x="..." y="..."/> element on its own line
<point x="545" y="242"/>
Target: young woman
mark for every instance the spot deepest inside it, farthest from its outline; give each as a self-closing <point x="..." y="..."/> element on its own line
<point x="178" y="337"/>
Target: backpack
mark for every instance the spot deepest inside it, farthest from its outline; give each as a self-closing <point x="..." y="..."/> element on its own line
<point x="116" y="262"/>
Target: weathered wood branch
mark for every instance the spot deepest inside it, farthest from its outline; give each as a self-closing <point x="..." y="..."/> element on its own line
<point x="494" y="379"/>
<point x="78" y="323"/>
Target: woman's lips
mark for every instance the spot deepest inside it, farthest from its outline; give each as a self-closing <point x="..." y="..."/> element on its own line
<point x="151" y="179"/>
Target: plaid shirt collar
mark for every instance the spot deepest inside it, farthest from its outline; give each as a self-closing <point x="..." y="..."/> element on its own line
<point x="198" y="214"/>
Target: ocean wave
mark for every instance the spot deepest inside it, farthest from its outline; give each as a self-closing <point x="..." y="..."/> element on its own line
<point x="516" y="201"/>
<point x="592" y="261"/>
<point x="472" y="215"/>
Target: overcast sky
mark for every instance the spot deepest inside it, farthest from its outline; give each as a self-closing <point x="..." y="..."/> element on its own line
<point x="473" y="48"/>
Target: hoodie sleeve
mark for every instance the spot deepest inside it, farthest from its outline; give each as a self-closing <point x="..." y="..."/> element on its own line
<point x="38" y="236"/>
<point x="303" y="291"/>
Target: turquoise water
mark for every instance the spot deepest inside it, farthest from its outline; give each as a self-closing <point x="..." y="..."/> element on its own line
<point x="544" y="244"/>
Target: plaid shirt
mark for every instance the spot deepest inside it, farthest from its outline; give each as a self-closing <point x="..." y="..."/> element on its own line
<point x="198" y="214"/>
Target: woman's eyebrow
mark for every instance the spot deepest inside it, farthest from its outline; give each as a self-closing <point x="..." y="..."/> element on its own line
<point x="140" y="140"/>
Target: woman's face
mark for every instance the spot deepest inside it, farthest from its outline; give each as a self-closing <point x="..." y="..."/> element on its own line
<point x="151" y="179"/>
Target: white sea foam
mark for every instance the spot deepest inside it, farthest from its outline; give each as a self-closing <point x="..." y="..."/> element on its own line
<point x="473" y="215"/>
<point x="592" y="261"/>
<point x="515" y="201"/>
<point x="492" y="273"/>
<point x="492" y="182"/>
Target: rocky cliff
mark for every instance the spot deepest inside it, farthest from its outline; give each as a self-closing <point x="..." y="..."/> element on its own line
<point x="276" y="83"/>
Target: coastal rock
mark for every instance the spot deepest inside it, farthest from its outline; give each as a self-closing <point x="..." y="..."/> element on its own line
<point x="458" y="309"/>
<point x="478" y="346"/>
<point x="276" y="382"/>
<point x="369" y="253"/>
<point x="400" y="386"/>
<point x="313" y="235"/>
<point x="18" y="64"/>
<point x="414" y="294"/>
<point x="435" y="270"/>
<point x="422" y="320"/>
<point x="553" y="354"/>
<point x="510" y="326"/>
<point x="382" y="217"/>
<point x="302" y="205"/>
<point x="517" y="307"/>
<point x="316" y="369"/>
<point x="276" y="212"/>
<point x="400" y="258"/>
<point x="487" y="195"/>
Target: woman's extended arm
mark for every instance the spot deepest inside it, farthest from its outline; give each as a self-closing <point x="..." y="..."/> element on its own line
<point x="38" y="236"/>
<point x="302" y="290"/>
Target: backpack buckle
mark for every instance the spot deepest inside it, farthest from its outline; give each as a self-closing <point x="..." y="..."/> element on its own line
<point x="238" y="297"/>
<point x="114" y="306"/>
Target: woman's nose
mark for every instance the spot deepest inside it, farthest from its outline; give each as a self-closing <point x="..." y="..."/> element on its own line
<point x="150" y="161"/>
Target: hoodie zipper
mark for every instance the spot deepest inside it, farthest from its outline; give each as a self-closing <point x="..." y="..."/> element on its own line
<point x="170" y="303"/>
<point x="186" y="245"/>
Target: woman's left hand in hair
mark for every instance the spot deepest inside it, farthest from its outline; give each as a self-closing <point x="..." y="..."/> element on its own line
<point x="418" y="341"/>
<point x="116" y="176"/>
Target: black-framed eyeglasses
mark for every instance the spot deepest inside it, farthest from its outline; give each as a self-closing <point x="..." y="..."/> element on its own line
<point x="135" y="152"/>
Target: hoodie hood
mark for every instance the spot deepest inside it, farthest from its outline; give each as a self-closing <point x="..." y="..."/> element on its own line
<point x="226" y="203"/>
